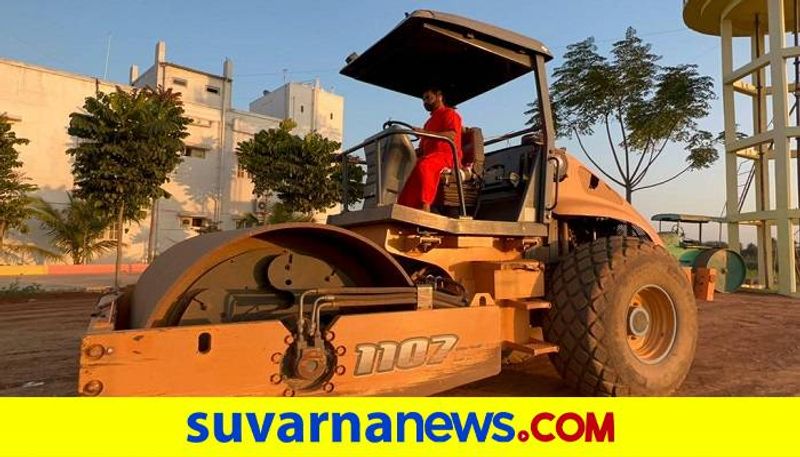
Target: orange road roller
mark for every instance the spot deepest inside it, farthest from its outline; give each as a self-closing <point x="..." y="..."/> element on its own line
<point x="526" y="253"/>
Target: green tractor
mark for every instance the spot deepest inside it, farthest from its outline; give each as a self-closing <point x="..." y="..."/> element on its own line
<point x="730" y="266"/>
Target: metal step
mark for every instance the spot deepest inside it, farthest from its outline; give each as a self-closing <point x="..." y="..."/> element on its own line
<point x="533" y="346"/>
<point x="526" y="303"/>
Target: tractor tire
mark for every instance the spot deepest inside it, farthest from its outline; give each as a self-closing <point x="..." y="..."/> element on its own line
<point x="624" y="317"/>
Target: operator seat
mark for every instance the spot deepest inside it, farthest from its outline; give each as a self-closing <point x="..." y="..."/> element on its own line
<point x="397" y="160"/>
<point x="471" y="167"/>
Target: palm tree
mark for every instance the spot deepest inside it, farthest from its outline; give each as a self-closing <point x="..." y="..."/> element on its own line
<point x="15" y="252"/>
<point x="77" y="230"/>
<point x="18" y="252"/>
<point x="23" y="253"/>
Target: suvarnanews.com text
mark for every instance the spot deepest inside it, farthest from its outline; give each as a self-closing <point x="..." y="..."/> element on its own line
<point x="400" y="427"/>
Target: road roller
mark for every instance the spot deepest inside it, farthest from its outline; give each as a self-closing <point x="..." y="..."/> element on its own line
<point x="527" y="251"/>
<point x="729" y="264"/>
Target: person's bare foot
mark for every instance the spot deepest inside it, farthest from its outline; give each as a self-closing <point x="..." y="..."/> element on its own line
<point x="426" y="207"/>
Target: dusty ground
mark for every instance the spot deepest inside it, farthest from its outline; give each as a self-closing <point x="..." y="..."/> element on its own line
<point x="749" y="345"/>
<point x="52" y="283"/>
<point x="39" y="340"/>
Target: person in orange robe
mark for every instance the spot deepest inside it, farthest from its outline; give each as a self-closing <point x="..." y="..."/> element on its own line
<point x="420" y="188"/>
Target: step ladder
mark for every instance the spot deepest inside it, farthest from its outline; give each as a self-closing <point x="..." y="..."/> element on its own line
<point x="535" y="345"/>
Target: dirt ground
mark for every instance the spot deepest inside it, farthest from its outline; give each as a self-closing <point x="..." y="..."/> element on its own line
<point x="749" y="346"/>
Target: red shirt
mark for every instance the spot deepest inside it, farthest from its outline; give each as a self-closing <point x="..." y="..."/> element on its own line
<point x="442" y="120"/>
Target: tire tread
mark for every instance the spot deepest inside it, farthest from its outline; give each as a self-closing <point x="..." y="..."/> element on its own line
<point x="581" y="284"/>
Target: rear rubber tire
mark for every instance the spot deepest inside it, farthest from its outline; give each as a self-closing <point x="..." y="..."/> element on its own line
<point x="593" y="290"/>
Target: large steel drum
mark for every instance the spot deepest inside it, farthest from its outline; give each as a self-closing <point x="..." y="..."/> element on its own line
<point x="730" y="266"/>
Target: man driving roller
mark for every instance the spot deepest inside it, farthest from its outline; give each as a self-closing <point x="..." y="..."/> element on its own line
<point x="435" y="155"/>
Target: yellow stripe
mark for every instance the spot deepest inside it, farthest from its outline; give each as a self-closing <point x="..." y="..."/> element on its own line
<point x="23" y="270"/>
<point x="672" y="427"/>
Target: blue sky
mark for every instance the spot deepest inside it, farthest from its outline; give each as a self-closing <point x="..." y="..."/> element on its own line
<point x="311" y="39"/>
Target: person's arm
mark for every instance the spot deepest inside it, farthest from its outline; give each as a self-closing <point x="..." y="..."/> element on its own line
<point x="448" y="133"/>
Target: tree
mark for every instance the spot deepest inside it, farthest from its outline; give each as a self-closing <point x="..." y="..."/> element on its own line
<point x="304" y="173"/>
<point x="275" y="214"/>
<point x="76" y="230"/>
<point x="642" y="108"/>
<point x="14" y="188"/>
<point x="14" y="200"/>
<point x="129" y="144"/>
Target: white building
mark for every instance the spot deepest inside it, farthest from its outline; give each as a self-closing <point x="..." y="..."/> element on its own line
<point x="208" y="186"/>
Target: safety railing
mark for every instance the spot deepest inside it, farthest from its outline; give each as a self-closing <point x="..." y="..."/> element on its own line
<point x="511" y="135"/>
<point x="379" y="178"/>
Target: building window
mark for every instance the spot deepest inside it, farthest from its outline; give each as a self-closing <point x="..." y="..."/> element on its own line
<point x="240" y="172"/>
<point x="194" y="222"/>
<point x="212" y="90"/>
<point x="194" y="151"/>
<point x="110" y="233"/>
<point x="331" y="116"/>
<point x="180" y="82"/>
<point x="301" y="108"/>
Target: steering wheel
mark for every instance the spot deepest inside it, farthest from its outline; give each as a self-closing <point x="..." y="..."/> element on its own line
<point x="388" y="124"/>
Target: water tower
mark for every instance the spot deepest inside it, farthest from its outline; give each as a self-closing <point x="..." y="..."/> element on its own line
<point x="768" y="83"/>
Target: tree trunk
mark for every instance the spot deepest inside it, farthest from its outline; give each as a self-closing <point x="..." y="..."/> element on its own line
<point x="118" y="262"/>
<point x="151" y="241"/>
<point x="2" y="234"/>
<point x="628" y="195"/>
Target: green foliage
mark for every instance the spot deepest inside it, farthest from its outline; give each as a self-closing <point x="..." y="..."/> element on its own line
<point x="702" y="150"/>
<point x="750" y="256"/>
<point x="249" y="220"/>
<point x="648" y="106"/>
<point x="210" y="228"/>
<point x="15" y="290"/>
<point x="76" y="230"/>
<point x="14" y="187"/>
<point x="19" y="253"/>
<point x="304" y="173"/>
<point x="129" y="143"/>
<point x="277" y="213"/>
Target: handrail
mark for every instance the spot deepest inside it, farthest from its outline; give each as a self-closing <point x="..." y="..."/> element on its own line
<point x="386" y="133"/>
<point x="510" y="135"/>
<point x="557" y="172"/>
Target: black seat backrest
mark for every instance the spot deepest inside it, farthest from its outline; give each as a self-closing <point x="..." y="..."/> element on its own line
<point x="472" y="149"/>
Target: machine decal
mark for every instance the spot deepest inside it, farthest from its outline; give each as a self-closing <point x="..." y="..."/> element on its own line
<point x="411" y="353"/>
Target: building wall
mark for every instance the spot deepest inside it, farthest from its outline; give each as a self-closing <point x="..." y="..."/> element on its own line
<point x="207" y="186"/>
<point x="272" y="103"/>
<point x="148" y="78"/>
<point x="311" y="106"/>
<point x="198" y="87"/>
<point x="243" y="126"/>
<point x="329" y="114"/>
<point x="313" y="109"/>
<point x="40" y="101"/>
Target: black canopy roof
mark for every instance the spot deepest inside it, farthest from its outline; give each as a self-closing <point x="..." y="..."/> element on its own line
<point x="675" y="217"/>
<point x="464" y="58"/>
